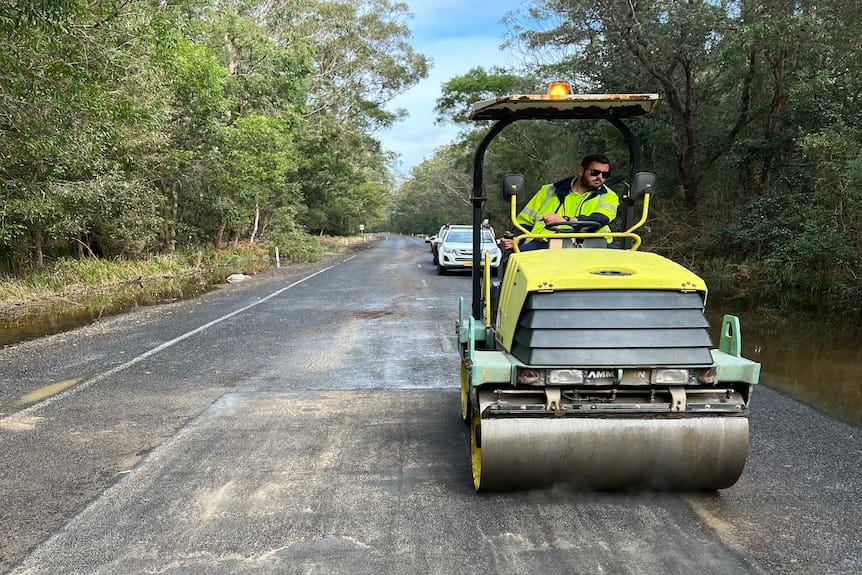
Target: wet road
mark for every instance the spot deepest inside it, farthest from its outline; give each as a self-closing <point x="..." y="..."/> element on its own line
<point x="308" y="422"/>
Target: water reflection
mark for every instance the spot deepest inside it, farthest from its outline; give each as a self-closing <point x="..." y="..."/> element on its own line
<point x="815" y="360"/>
<point x="64" y="314"/>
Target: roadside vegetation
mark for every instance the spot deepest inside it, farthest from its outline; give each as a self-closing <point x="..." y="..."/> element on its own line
<point x="76" y="280"/>
<point x="158" y="130"/>
<point x="756" y="143"/>
<point x="134" y="129"/>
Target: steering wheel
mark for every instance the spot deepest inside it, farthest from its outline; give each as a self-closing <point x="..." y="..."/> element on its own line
<point x="576" y="226"/>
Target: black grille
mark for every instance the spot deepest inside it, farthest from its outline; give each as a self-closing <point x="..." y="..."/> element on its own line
<point x="613" y="328"/>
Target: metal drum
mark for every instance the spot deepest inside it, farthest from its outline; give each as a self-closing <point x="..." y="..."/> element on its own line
<point x="695" y="453"/>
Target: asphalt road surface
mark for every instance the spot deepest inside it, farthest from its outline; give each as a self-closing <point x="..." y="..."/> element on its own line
<point x="307" y="421"/>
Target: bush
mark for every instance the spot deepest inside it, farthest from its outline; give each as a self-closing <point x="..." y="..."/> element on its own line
<point x="297" y="247"/>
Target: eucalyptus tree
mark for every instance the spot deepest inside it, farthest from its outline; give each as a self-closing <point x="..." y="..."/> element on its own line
<point x="726" y="69"/>
<point x="75" y="106"/>
<point x="256" y="154"/>
<point x="437" y="193"/>
<point x="343" y="175"/>
<point x="237" y="99"/>
<point x="36" y="12"/>
<point x="361" y="59"/>
<point x="669" y="46"/>
<point x="362" y="54"/>
<point x="802" y="75"/>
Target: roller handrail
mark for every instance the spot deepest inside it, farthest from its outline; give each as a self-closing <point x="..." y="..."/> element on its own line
<point x="486" y="292"/>
<point x="527" y="235"/>
<point x="636" y="240"/>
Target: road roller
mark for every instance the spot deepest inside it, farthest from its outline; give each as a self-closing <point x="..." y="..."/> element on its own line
<point x="590" y="366"/>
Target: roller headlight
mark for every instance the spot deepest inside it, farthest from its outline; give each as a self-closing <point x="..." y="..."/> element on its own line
<point x="565" y="376"/>
<point x="670" y="376"/>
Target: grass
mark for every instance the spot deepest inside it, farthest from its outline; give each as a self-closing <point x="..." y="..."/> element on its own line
<point x="73" y="276"/>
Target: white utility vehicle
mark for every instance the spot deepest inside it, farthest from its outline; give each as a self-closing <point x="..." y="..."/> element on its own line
<point x="456" y="248"/>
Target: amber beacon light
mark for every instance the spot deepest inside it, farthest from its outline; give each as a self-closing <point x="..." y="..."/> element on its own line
<point x="559" y="89"/>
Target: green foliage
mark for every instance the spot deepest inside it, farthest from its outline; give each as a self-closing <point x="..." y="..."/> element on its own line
<point x="362" y="55"/>
<point x="478" y="84"/>
<point x="21" y="13"/>
<point x="294" y="244"/>
<point x="437" y="193"/>
<point x="134" y="127"/>
<point x="344" y="179"/>
<point x="756" y="145"/>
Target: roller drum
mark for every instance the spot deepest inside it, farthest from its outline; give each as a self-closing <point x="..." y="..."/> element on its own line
<point x="700" y="453"/>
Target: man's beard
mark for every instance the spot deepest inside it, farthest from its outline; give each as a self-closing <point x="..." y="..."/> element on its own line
<point x="585" y="182"/>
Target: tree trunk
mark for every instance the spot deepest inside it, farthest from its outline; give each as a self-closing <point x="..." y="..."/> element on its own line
<point x="256" y="222"/>
<point x="36" y="255"/>
<point x="219" y="237"/>
<point x="172" y="220"/>
<point x="167" y="228"/>
<point x="686" y="147"/>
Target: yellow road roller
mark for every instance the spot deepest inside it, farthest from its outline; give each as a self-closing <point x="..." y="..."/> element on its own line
<point x="591" y="366"/>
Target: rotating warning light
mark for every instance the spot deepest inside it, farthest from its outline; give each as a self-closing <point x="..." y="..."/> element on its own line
<point x="559" y="89"/>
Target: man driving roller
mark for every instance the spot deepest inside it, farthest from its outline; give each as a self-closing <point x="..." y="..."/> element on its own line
<point x="581" y="198"/>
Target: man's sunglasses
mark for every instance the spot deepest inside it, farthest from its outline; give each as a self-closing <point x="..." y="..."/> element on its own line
<point x="605" y="175"/>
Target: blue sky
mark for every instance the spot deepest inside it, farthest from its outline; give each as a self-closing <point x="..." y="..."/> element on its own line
<point x="456" y="35"/>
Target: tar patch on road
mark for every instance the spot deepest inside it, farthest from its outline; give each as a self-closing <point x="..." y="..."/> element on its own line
<point x="372" y="481"/>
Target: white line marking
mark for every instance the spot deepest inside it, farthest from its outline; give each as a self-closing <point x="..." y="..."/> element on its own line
<point x="147" y="354"/>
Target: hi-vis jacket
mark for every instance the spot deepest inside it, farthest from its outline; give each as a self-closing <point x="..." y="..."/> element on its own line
<point x="599" y="205"/>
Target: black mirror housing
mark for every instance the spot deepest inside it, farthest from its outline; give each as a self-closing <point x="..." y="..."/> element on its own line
<point x="643" y="183"/>
<point x="514" y="185"/>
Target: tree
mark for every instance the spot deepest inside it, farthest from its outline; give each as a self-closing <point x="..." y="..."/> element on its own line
<point x="361" y="58"/>
<point x="669" y="46"/>
<point x="361" y="52"/>
<point x="69" y="117"/>
<point x="258" y="157"/>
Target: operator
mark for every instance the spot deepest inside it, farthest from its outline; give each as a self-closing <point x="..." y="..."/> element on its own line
<point x="581" y="198"/>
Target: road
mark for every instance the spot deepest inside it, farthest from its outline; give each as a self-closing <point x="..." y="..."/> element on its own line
<point x="307" y="421"/>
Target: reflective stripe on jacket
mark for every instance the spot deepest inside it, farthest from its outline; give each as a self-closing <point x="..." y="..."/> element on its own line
<point x="599" y="205"/>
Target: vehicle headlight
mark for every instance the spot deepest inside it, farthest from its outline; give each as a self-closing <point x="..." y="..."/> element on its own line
<point x="670" y="376"/>
<point x="565" y="376"/>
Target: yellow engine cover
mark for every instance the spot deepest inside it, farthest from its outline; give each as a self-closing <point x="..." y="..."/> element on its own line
<point x="585" y="269"/>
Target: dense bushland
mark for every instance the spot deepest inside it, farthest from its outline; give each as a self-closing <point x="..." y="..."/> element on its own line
<point x="756" y="144"/>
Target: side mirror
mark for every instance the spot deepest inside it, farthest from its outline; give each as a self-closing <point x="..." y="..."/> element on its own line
<point x="514" y="185"/>
<point x="643" y="183"/>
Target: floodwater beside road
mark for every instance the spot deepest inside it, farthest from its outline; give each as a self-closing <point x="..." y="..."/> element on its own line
<point x="813" y="359"/>
<point x="64" y="314"/>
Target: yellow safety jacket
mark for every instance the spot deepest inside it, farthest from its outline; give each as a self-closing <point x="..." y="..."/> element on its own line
<point x="598" y="205"/>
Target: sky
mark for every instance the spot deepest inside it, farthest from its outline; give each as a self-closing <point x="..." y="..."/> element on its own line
<point x="456" y="35"/>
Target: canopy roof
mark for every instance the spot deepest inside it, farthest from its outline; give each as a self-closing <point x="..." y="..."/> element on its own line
<point x="575" y="106"/>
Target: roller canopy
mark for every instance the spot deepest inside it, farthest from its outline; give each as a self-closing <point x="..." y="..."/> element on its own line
<point x="576" y="106"/>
